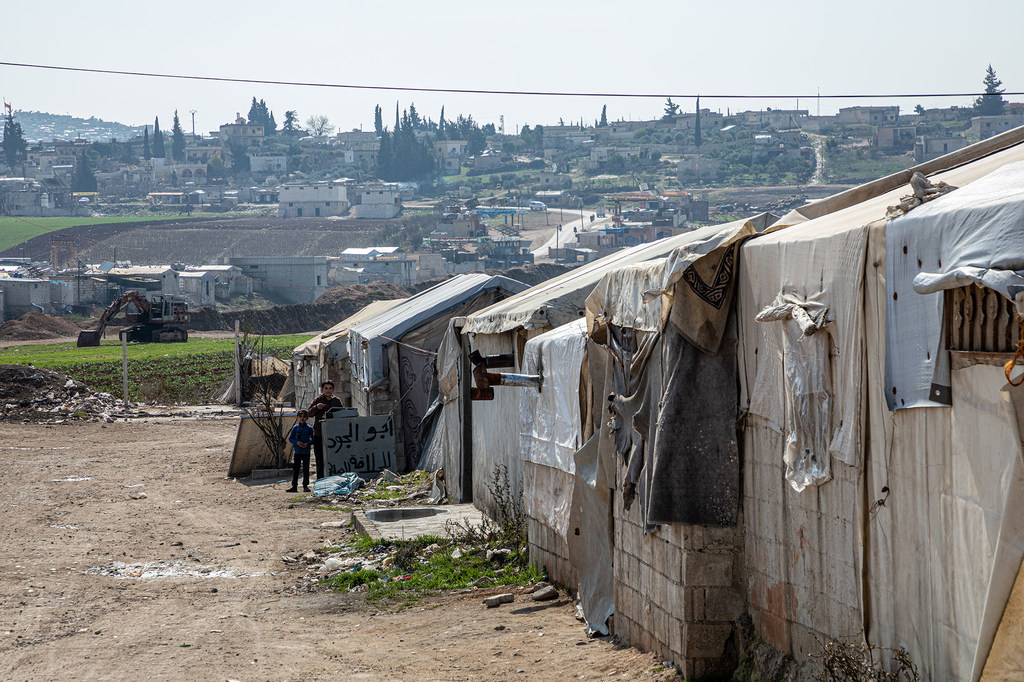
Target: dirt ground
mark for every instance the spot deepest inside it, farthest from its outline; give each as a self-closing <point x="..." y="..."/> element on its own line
<point x="129" y="555"/>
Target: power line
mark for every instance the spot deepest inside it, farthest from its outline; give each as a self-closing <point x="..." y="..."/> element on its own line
<point x="470" y="91"/>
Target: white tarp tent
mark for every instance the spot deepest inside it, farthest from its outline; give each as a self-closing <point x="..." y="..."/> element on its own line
<point x="325" y="356"/>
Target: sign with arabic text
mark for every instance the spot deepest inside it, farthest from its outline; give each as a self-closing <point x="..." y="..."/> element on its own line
<point x="360" y="445"/>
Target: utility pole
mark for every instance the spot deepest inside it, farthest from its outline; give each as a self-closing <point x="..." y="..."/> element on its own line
<point x="193" y="112"/>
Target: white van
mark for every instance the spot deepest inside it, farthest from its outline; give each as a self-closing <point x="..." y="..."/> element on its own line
<point x="537" y="206"/>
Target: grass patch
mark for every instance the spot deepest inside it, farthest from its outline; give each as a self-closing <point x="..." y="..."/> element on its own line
<point x="415" y="572"/>
<point x="187" y="372"/>
<point x="15" y="230"/>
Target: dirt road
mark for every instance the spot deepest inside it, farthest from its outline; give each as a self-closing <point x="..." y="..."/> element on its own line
<point x="128" y="555"/>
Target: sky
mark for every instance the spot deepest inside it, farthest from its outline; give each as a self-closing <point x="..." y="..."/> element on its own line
<point x="788" y="49"/>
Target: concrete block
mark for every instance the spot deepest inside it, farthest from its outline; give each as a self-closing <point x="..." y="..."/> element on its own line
<point x="697" y="602"/>
<point x="659" y="587"/>
<point x="722" y="538"/>
<point x="680" y="605"/>
<point x="672" y="561"/>
<point x="675" y="641"/>
<point x="707" y="569"/>
<point x="705" y="640"/>
<point x="723" y="604"/>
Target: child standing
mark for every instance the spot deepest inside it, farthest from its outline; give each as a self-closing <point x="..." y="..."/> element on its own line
<point x="301" y="438"/>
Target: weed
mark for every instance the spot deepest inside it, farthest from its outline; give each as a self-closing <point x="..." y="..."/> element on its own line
<point x="346" y="581"/>
<point x="840" y="661"/>
<point x="509" y="527"/>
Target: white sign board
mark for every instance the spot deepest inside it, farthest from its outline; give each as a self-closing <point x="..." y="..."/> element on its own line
<point x="361" y="445"/>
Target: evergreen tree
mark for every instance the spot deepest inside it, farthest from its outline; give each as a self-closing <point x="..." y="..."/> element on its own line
<point x="697" y="140"/>
<point x="378" y="121"/>
<point x="442" y="132"/>
<point x="414" y="117"/>
<point x="83" y="180"/>
<point x="259" y="115"/>
<point x="385" y="156"/>
<point x="177" y="140"/>
<point x="146" y="152"/>
<point x="919" y="110"/>
<point x="992" y="102"/>
<point x="671" y="110"/>
<point x="15" y="147"/>
<point x="271" y="127"/>
<point x="398" y="121"/>
<point x="290" y="119"/>
<point x="158" y="140"/>
<point x="604" y="117"/>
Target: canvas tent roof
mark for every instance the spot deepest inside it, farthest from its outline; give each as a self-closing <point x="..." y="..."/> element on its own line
<point x="334" y="340"/>
<point x="371" y="337"/>
<point x="562" y="299"/>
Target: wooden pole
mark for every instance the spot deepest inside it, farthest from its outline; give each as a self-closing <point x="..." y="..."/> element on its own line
<point x="238" y="369"/>
<point x="124" y="367"/>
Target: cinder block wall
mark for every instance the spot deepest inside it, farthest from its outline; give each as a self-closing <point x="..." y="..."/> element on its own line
<point x="549" y="551"/>
<point x="679" y="591"/>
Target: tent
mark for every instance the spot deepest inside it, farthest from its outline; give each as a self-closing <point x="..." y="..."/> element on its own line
<point x="325" y="357"/>
<point x="392" y="353"/>
<point x="855" y="521"/>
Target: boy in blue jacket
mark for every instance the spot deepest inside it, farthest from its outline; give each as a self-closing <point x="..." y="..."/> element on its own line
<point x="301" y="438"/>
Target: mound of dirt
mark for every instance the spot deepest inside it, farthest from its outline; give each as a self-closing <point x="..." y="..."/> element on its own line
<point x="34" y="394"/>
<point x="37" y="326"/>
<point x="374" y="291"/>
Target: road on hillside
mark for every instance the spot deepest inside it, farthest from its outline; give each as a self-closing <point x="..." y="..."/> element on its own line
<point x="129" y="555"/>
<point x="566" y="234"/>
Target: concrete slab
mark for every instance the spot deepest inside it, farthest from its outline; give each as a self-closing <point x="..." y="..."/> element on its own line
<point x="405" y="523"/>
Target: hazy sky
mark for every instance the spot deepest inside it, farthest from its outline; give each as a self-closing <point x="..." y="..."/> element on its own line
<point x="643" y="46"/>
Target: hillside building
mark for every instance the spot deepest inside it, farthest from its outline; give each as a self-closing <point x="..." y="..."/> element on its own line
<point x="313" y="199"/>
<point x="379" y="200"/>
<point x="288" y="280"/>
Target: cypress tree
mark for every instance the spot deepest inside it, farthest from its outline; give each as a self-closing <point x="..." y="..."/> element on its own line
<point x="177" y="140"/>
<point x="697" y="140"/>
<point x="146" y="153"/>
<point x="158" y="140"/>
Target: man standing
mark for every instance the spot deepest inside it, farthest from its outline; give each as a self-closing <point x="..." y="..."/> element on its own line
<point x="319" y="409"/>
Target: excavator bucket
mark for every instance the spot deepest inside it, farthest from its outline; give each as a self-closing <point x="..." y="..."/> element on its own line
<point x="89" y="337"/>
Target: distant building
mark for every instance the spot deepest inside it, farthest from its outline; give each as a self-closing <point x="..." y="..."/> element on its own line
<point x="289" y="280"/>
<point x="241" y="133"/>
<point x="892" y="137"/>
<point x="228" y="281"/>
<point x="268" y="163"/>
<point x="313" y="199"/>
<point x="21" y="295"/>
<point x="780" y="119"/>
<point x="373" y="264"/>
<point x="461" y="225"/>
<point x="450" y="154"/>
<point x="927" y="148"/>
<point x="198" y="287"/>
<point x="379" y="200"/>
<point x="357" y="138"/>
<point x="985" y="127"/>
<point x="869" y="115"/>
<point x="42" y="197"/>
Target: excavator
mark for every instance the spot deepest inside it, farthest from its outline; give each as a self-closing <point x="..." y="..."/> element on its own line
<point x="162" y="319"/>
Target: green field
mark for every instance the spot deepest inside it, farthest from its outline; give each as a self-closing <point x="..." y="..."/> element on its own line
<point x="15" y="230"/>
<point x="166" y="372"/>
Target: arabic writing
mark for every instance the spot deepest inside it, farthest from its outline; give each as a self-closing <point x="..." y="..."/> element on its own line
<point x="362" y="445"/>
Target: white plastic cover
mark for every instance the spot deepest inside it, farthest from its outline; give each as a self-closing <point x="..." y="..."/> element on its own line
<point x="551" y="422"/>
<point x="808" y="388"/>
<point x="970" y="235"/>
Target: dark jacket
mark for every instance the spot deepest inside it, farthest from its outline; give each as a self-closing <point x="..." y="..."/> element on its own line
<point x="301" y="433"/>
<point x="318" y="410"/>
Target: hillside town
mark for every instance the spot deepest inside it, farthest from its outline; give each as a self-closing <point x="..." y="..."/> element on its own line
<point x="716" y="396"/>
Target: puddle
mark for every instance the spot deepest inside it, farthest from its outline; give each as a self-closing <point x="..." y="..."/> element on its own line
<point x="72" y="479"/>
<point x="166" y="569"/>
<point x="402" y="514"/>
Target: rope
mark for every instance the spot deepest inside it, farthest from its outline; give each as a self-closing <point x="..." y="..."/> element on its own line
<point x="1018" y="354"/>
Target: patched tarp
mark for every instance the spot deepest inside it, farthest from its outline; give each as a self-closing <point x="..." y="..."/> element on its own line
<point x="971" y="235"/>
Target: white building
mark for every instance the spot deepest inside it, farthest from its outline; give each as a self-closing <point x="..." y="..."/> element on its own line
<point x="382" y="200"/>
<point x="268" y="163"/>
<point x="313" y="199"/>
<point x="199" y="288"/>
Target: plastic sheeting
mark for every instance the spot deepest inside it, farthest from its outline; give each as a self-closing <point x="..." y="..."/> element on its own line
<point x="807" y="386"/>
<point x="563" y="298"/>
<point x="367" y="340"/>
<point x="550" y="418"/>
<point x="551" y="423"/>
<point x="972" y="234"/>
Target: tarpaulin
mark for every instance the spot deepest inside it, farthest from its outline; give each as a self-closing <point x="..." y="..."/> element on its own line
<point x="972" y="234"/>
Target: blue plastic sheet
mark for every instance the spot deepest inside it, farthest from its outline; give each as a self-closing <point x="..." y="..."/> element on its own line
<point x="345" y="484"/>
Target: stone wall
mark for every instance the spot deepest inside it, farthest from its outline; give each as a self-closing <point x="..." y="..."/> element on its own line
<point x="679" y="591"/>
